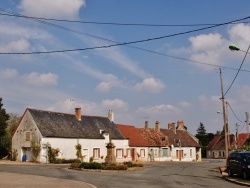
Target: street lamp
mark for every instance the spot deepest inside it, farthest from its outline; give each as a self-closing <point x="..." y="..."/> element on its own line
<point x="233" y="47"/>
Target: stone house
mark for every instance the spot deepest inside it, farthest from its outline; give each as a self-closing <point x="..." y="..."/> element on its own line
<point x="65" y="131"/>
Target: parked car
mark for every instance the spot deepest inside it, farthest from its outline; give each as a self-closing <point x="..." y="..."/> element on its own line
<point x="238" y="162"/>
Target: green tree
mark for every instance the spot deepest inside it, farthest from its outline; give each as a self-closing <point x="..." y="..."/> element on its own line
<point x="4" y="144"/>
<point x="204" y="138"/>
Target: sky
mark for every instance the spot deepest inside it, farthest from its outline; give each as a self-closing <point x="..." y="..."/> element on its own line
<point x="146" y="60"/>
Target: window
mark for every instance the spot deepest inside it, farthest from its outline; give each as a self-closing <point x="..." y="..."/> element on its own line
<point x="164" y="152"/>
<point x="142" y="153"/>
<point x="27" y="136"/>
<point x="128" y="152"/>
<point x="119" y="153"/>
<point x="96" y="153"/>
<point x="191" y="153"/>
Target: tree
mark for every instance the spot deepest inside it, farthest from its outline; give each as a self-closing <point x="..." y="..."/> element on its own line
<point x="204" y="138"/>
<point x="3" y="125"/>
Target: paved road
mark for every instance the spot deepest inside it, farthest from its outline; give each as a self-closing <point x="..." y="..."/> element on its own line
<point x="157" y="175"/>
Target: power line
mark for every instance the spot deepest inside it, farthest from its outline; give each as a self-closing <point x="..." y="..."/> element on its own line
<point x="94" y="36"/>
<point x="121" y="44"/>
<point x="237" y="71"/>
<point x="234" y="113"/>
<point x="110" y="23"/>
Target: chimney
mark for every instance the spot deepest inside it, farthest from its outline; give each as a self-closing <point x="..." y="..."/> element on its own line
<point x="78" y="113"/>
<point x="170" y="126"/>
<point x="174" y="128"/>
<point x="180" y="123"/>
<point x="146" y="124"/>
<point x="111" y="115"/>
<point x="157" y="125"/>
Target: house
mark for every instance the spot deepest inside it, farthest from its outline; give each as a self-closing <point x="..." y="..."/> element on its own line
<point x="183" y="145"/>
<point x="65" y="131"/>
<point x="242" y="139"/>
<point x="138" y="147"/>
<point x="216" y="148"/>
<point x="158" y="146"/>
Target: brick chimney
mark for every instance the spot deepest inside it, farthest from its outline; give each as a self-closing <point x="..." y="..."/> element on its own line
<point x="157" y="125"/>
<point x="111" y="115"/>
<point x="170" y="126"/>
<point x="78" y="113"/>
<point x="146" y="125"/>
<point x="180" y="123"/>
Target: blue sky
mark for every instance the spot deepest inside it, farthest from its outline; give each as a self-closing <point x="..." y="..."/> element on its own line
<point x="170" y="79"/>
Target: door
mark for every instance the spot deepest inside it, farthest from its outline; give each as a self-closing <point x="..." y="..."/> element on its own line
<point x="179" y="154"/>
<point x="133" y="154"/>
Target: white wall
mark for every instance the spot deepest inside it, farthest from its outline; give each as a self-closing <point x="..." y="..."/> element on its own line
<point x="19" y="138"/>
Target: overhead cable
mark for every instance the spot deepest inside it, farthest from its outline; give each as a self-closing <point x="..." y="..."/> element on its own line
<point x="121" y="44"/>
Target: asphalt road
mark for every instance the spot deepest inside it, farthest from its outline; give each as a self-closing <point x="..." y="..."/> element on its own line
<point x="157" y="175"/>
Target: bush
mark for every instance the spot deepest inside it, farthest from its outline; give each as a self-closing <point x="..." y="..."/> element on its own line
<point x="92" y="165"/>
<point x="66" y="161"/>
<point x="114" y="167"/>
<point x="75" y="165"/>
<point x="130" y="164"/>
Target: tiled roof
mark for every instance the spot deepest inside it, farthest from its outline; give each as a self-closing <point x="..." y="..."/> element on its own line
<point x="130" y="132"/>
<point x="186" y="139"/>
<point x="213" y="142"/>
<point x="218" y="143"/>
<point x="242" y="138"/>
<point x="54" y="124"/>
<point x="153" y="137"/>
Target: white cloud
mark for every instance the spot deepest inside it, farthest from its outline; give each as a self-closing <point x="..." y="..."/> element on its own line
<point x="184" y="104"/>
<point x="20" y="45"/>
<point x="9" y="73"/>
<point x="239" y="34"/>
<point x="151" y="85"/>
<point x="114" y="104"/>
<point x="106" y="86"/>
<point x="39" y="79"/>
<point x="52" y="8"/>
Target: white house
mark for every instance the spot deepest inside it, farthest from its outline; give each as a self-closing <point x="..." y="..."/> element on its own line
<point x="65" y="131"/>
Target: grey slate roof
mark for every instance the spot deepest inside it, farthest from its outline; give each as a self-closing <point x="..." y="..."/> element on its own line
<point x="54" y="124"/>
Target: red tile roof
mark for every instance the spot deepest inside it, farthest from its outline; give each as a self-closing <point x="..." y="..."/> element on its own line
<point x="130" y="132"/>
<point x="218" y="143"/>
<point x="242" y="138"/>
<point x="153" y="137"/>
<point x="184" y="136"/>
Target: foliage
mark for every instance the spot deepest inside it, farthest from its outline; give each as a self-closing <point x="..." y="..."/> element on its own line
<point x="245" y="148"/>
<point x="53" y="154"/>
<point x="114" y="167"/>
<point x="93" y="165"/>
<point x="14" y="155"/>
<point x="129" y="164"/>
<point x="4" y="145"/>
<point x="204" y="138"/>
<point x="70" y="161"/>
<point x="79" y="152"/>
<point x="11" y="125"/>
<point x="35" y="148"/>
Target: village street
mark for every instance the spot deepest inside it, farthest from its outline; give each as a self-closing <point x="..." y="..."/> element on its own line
<point x="163" y="174"/>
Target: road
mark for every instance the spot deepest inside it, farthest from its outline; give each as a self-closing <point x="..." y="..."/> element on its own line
<point x="157" y="175"/>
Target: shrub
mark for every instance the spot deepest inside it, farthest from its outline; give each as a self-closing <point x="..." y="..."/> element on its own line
<point x="92" y="165"/>
<point x="66" y="161"/>
<point x="129" y="164"/>
<point x="114" y="167"/>
<point x="75" y="165"/>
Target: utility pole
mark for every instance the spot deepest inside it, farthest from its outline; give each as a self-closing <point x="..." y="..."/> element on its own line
<point x="247" y="122"/>
<point x="227" y="124"/>
<point x="224" y="116"/>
